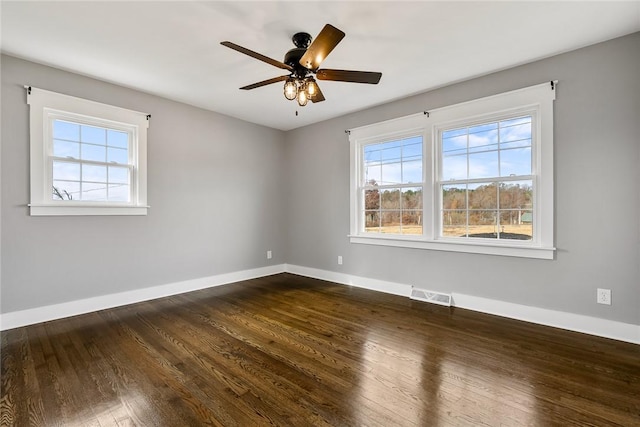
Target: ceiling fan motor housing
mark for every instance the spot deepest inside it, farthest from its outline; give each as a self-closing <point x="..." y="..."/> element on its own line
<point x="292" y="58"/>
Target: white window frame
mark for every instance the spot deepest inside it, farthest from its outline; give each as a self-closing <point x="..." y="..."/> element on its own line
<point x="45" y="107"/>
<point x="534" y="100"/>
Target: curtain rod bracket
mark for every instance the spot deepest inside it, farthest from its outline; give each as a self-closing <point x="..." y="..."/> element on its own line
<point x="348" y="132"/>
<point x="426" y="113"/>
<point x="29" y="90"/>
<point x="148" y="117"/>
<point x="553" y="85"/>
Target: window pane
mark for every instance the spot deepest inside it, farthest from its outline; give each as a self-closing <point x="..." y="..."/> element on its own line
<point x="516" y="195"/>
<point x="515" y="162"/>
<point x="515" y="129"/>
<point x="372" y="221"/>
<point x="372" y="168"/>
<point x="454" y="223"/>
<point x="454" y="197"/>
<point x="412" y="150"/>
<point x="483" y="165"/>
<point x="66" y="149"/>
<point x="454" y="167"/>
<point x="390" y="199"/>
<point x="66" y="130"/>
<point x="483" y="224"/>
<point x="94" y="192"/>
<point x="95" y="153"/>
<point x="483" y="141"/>
<point x="483" y="196"/>
<point x="117" y="155"/>
<point x="391" y="173"/>
<point x="371" y="199"/>
<point x="118" y="175"/>
<point x="454" y="144"/>
<point x="390" y="222"/>
<point x="118" y="192"/>
<point x="412" y="172"/>
<point x="516" y="225"/>
<point x="412" y="221"/>
<point x="66" y="171"/>
<point x="372" y="174"/>
<point x="117" y="139"/>
<point x="412" y="198"/>
<point x="94" y="135"/>
<point x="372" y="153"/>
<point x="391" y="152"/>
<point x="94" y="173"/>
<point x="66" y="190"/>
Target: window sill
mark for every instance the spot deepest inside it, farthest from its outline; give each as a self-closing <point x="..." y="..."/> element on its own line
<point x="86" y="210"/>
<point x="512" y="250"/>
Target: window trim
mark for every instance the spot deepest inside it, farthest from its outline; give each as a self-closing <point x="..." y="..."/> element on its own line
<point x="537" y="99"/>
<point x="47" y="106"/>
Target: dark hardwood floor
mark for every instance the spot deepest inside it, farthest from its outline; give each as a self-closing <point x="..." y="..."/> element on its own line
<point x="291" y="351"/>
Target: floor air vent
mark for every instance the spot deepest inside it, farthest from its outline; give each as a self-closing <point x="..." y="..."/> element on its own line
<point x="431" y="296"/>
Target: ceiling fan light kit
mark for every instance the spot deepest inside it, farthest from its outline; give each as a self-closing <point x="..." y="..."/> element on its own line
<point x="302" y="90"/>
<point x="303" y="62"/>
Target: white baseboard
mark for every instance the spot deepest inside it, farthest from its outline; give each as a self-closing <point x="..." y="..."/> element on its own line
<point x="542" y="316"/>
<point x="347" y="279"/>
<point x="73" y="308"/>
<point x="570" y="321"/>
<point x="557" y="319"/>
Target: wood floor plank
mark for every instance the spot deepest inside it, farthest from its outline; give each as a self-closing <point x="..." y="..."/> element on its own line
<point x="291" y="351"/>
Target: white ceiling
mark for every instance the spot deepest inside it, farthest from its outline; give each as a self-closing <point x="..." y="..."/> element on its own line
<point x="172" y="49"/>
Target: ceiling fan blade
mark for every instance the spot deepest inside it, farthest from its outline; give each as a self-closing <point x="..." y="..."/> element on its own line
<point x="265" y="82"/>
<point x="321" y="46"/>
<point x="318" y="97"/>
<point x="257" y="55"/>
<point x="349" y="76"/>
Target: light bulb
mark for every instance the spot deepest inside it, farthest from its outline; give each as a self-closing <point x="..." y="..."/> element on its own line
<point x="311" y="87"/>
<point x="303" y="97"/>
<point x="290" y="89"/>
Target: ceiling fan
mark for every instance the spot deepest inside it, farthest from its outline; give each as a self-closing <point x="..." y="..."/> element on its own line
<point x="303" y="62"/>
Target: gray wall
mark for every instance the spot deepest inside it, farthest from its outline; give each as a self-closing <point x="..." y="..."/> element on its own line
<point x="597" y="152"/>
<point x="214" y="186"/>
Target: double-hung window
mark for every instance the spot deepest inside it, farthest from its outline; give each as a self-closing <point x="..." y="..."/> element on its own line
<point x="87" y="158"/>
<point x="474" y="177"/>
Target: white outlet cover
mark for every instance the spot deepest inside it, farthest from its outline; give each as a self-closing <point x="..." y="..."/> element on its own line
<point x="603" y="296"/>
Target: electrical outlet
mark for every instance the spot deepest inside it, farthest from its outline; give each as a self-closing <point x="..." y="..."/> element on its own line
<point x="604" y="296"/>
<point x="269" y="255"/>
<point x="339" y="259"/>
